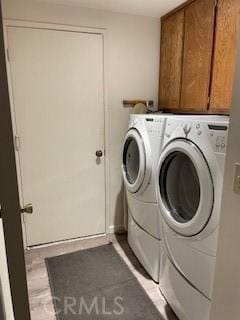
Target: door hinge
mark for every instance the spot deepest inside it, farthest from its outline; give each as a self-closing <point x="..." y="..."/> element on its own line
<point x="8" y="55"/>
<point x="17" y="143"/>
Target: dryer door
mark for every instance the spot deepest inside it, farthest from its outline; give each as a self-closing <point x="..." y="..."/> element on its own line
<point x="185" y="188"/>
<point x="136" y="167"/>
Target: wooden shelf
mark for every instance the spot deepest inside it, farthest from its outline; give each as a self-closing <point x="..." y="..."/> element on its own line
<point x="132" y="103"/>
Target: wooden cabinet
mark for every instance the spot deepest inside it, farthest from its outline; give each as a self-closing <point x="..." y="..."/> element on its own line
<point x="171" y="60"/>
<point x="224" y="56"/>
<point x="198" y="47"/>
<point x="198" y="43"/>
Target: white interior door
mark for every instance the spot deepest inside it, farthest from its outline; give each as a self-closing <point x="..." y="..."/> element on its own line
<point x="57" y="84"/>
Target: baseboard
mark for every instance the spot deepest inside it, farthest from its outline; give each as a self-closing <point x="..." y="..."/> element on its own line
<point x="116" y="229"/>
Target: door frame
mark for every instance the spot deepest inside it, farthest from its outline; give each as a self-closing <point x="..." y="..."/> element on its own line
<point x="67" y="28"/>
<point x="9" y="198"/>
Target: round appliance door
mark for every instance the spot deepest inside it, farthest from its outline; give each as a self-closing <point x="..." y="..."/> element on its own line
<point x="186" y="192"/>
<point x="135" y="161"/>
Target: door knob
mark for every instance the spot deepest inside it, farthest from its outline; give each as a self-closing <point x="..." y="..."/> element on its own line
<point x="28" y="208"/>
<point x="99" y="153"/>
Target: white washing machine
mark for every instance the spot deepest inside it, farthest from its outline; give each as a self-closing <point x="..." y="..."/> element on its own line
<point x="142" y="147"/>
<point x="189" y="188"/>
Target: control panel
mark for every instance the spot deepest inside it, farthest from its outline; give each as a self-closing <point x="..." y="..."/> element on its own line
<point x="155" y="126"/>
<point x="217" y="132"/>
<point x="218" y="136"/>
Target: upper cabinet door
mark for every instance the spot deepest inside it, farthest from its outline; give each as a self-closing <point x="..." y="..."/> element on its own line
<point x="171" y="61"/>
<point x="197" y="58"/>
<point x="224" y="55"/>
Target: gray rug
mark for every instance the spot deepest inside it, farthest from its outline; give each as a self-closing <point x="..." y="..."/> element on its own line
<point x="97" y="284"/>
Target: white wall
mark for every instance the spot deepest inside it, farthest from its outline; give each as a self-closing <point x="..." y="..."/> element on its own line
<point x="226" y="297"/>
<point x="132" y="55"/>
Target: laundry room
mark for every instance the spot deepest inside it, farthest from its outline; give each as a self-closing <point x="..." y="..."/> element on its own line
<point x="120" y="159"/>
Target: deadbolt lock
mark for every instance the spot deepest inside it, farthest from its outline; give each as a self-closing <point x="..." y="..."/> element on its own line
<point x="28" y="208"/>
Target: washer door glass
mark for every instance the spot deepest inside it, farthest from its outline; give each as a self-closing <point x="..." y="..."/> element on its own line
<point x="131" y="160"/>
<point x="180" y="186"/>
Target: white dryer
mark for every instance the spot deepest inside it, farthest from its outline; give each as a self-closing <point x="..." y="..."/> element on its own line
<point x="142" y="146"/>
<point x="189" y="188"/>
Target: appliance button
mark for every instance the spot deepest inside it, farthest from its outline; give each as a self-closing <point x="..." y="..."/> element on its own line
<point x="217" y="144"/>
<point x="223" y="145"/>
<point x="199" y="132"/>
<point x="198" y="126"/>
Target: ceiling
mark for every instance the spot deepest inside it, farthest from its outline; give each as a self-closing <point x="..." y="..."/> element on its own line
<point x="152" y="8"/>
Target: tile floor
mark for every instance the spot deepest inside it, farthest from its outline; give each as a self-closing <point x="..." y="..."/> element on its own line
<point x="38" y="283"/>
